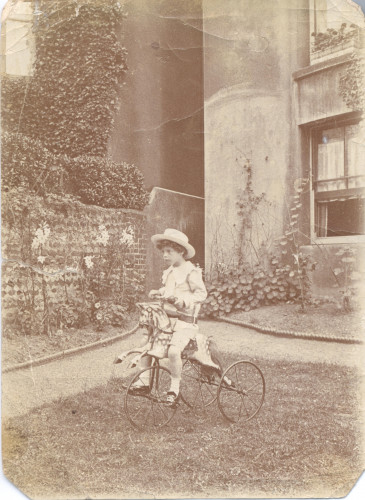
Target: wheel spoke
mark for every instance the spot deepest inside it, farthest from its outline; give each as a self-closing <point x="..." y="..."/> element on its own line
<point x="255" y="385"/>
<point x="147" y="413"/>
<point x="153" y="413"/>
<point x="252" y="401"/>
<point x="234" y="401"/>
<point x="207" y="387"/>
<point x="243" y="402"/>
<point x="144" y="411"/>
<point x="196" y="391"/>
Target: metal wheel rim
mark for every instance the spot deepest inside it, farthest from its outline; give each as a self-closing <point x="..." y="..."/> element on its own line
<point x="244" y="395"/>
<point x="156" y="413"/>
<point x="197" y="376"/>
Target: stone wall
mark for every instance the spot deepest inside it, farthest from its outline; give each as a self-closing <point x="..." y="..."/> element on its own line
<point x="160" y="123"/>
<point x="54" y="252"/>
<point x="251" y="50"/>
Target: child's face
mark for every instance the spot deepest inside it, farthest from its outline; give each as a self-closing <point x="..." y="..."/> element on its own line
<point x="171" y="257"/>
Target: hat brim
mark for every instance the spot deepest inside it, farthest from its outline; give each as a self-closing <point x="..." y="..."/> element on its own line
<point x="189" y="248"/>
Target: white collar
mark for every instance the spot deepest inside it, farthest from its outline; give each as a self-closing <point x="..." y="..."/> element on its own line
<point x="180" y="273"/>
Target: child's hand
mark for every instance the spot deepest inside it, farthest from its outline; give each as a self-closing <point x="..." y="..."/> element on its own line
<point x="154" y="294"/>
<point x="177" y="302"/>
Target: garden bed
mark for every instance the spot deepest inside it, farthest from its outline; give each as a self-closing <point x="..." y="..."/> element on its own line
<point x="20" y="348"/>
<point x="326" y="320"/>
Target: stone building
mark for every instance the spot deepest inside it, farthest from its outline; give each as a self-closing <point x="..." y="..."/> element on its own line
<point x="272" y="97"/>
<point x="217" y="91"/>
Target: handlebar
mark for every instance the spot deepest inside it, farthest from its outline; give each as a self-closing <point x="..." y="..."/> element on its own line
<point x="172" y="300"/>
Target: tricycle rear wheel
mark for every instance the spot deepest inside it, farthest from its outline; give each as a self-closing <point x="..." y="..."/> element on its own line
<point x="198" y="385"/>
<point x="241" y="391"/>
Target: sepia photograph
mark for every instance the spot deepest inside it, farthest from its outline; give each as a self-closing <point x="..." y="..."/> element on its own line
<point x="183" y="248"/>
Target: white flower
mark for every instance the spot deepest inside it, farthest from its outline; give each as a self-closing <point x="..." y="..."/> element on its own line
<point x="46" y="230"/>
<point x="41" y="235"/>
<point x="127" y="237"/>
<point x="103" y="237"/>
<point x="97" y="305"/>
<point x="41" y="259"/>
<point x="88" y="261"/>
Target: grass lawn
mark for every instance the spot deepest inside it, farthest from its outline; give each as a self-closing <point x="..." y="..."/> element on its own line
<point x="305" y="441"/>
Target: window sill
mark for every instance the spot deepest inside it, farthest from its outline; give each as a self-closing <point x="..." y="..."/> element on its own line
<point x="333" y="52"/>
<point x="338" y="240"/>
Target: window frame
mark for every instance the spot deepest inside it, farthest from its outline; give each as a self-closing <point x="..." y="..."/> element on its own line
<point x="315" y="132"/>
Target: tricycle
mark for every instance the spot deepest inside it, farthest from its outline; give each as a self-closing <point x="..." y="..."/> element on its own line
<point x="239" y="390"/>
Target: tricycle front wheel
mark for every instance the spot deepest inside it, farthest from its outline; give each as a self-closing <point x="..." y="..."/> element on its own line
<point x="149" y="409"/>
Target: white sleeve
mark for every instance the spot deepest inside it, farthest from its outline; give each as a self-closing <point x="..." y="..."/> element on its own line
<point x="197" y="287"/>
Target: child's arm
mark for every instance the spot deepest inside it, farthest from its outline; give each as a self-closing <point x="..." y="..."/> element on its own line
<point x="198" y="290"/>
<point x="197" y="287"/>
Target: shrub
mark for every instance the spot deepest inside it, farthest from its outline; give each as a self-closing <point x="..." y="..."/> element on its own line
<point x="95" y="181"/>
<point x="245" y="288"/>
<point x="283" y="276"/>
<point x="103" y="182"/>
<point x="27" y="164"/>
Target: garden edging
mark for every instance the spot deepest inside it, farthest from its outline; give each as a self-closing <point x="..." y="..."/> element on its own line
<point x="69" y="352"/>
<point x="290" y="333"/>
<point x="252" y="326"/>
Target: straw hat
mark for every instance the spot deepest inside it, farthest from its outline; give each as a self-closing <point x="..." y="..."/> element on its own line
<point x="177" y="237"/>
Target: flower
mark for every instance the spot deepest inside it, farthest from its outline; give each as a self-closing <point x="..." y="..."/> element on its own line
<point x="103" y="237"/>
<point x="127" y="237"/>
<point x="97" y="305"/>
<point x="41" y="235"/>
<point x="88" y="261"/>
<point x="41" y="258"/>
<point x="99" y="316"/>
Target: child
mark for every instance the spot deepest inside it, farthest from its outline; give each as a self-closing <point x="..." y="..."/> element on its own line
<point x="184" y="287"/>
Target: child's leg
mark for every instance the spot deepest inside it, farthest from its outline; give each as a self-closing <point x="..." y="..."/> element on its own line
<point x="179" y="341"/>
<point x="175" y="368"/>
<point x="144" y="362"/>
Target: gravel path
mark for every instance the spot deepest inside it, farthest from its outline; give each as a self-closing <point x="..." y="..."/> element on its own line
<point x="27" y="388"/>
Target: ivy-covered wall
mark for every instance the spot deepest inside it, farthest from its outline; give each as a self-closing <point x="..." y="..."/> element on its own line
<point x="80" y="63"/>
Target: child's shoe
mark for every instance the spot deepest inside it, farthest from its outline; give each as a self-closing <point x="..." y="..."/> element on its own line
<point x="171" y="399"/>
<point x="139" y="390"/>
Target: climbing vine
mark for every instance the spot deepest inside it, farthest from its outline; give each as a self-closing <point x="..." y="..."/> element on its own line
<point x="351" y="83"/>
<point x="248" y="209"/>
<point x="70" y="100"/>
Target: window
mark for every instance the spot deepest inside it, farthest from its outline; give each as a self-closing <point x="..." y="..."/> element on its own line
<point x="19" y="39"/>
<point x="330" y="14"/>
<point x="339" y="180"/>
<point x="335" y="27"/>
